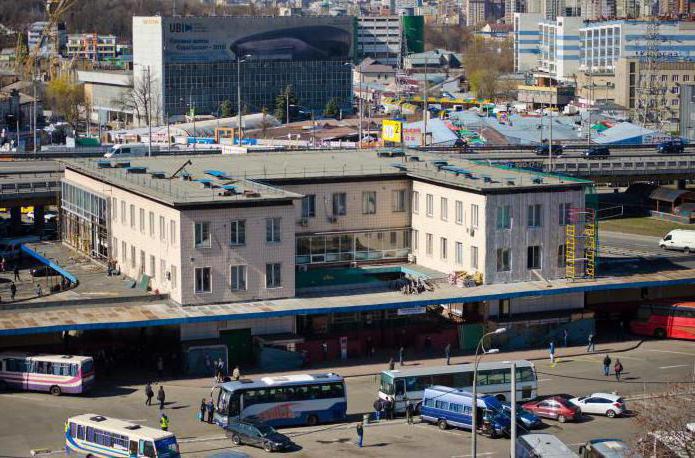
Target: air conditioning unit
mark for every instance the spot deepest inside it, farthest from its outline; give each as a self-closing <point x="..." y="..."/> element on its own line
<point x="412" y="259"/>
<point x="332" y="219"/>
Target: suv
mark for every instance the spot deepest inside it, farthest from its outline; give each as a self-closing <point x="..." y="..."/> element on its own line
<point x="670" y="147"/>
<point x="597" y="152"/>
<point x="544" y="150"/>
<point x="257" y="433"/>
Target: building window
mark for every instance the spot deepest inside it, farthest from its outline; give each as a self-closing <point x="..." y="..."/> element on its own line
<point x="504" y="217"/>
<point x="114" y="253"/>
<point x="416" y="202"/>
<point x="474" y="216"/>
<point x="415" y="234"/>
<point x="202" y="235"/>
<point x="398" y="197"/>
<point x="142" y="261"/>
<point x="503" y="260"/>
<point x="429" y="205"/>
<point x="151" y="221"/>
<point x="172" y="227"/>
<point x="686" y="78"/>
<point x="114" y="209"/>
<point x="272" y="230"/>
<point x="132" y="216"/>
<point x="142" y="220"/>
<point x="458" y="209"/>
<point x="564" y="214"/>
<point x="339" y="204"/>
<point x="675" y="102"/>
<point x="474" y="257"/>
<point x="429" y="241"/>
<point x="534" y="215"/>
<point x="674" y="78"/>
<point x="309" y="206"/>
<point x="442" y="248"/>
<point x="124" y="253"/>
<point x="123" y="212"/>
<point x="533" y="257"/>
<point x="369" y="202"/>
<point x="504" y="308"/>
<point x="444" y="208"/>
<point x="162" y="228"/>
<point x="162" y="271"/>
<point x="238" y="278"/>
<point x="238" y="232"/>
<point x="133" y="258"/>
<point x="203" y="282"/>
<point x="273" y="275"/>
<point x="562" y="256"/>
<point x="153" y="267"/>
<point x="173" y="277"/>
<point x="459" y="253"/>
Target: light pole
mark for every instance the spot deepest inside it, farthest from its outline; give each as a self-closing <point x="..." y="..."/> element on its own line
<point x="359" y="101"/>
<point x="474" y="403"/>
<point x="239" y="61"/>
<point x="313" y="124"/>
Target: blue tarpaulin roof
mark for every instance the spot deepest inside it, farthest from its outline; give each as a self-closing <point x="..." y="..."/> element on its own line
<point x="49" y="263"/>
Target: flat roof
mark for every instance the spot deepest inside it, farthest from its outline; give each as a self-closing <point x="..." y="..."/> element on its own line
<point x="32" y="320"/>
<point x="260" y="172"/>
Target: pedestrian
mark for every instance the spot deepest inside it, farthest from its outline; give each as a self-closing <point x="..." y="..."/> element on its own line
<point x="389" y="408"/>
<point x="160" y="367"/>
<point x="401" y="351"/>
<point x="360" y="434"/>
<point x="591" y="347"/>
<point x="13" y="290"/>
<point x="565" y="336"/>
<point x="378" y="408"/>
<point x="607" y="365"/>
<point x="618" y="369"/>
<point x="211" y="410"/>
<point x="203" y="408"/>
<point x="149" y="393"/>
<point x="208" y="364"/>
<point x="109" y="268"/>
<point x="392" y="364"/>
<point x="409" y="410"/>
<point x="16" y="273"/>
<point x="38" y="290"/>
<point x="235" y="373"/>
<point x="161" y="397"/>
<point x="324" y="349"/>
<point x="551" y="352"/>
<point x="3" y="264"/>
<point x="164" y="422"/>
<point x="447" y="353"/>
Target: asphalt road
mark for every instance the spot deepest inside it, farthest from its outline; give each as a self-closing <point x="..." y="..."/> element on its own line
<point x="617" y="248"/>
<point x="35" y="420"/>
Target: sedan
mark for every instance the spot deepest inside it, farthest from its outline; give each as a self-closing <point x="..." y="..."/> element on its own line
<point x="555" y="408"/>
<point x="607" y="404"/>
<point x="258" y="434"/>
<point x="525" y="418"/>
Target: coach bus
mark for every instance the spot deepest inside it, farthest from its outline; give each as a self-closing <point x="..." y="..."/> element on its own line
<point x="100" y="436"/>
<point x="667" y="319"/>
<point x="493" y="378"/>
<point x="286" y="400"/>
<point x="56" y="374"/>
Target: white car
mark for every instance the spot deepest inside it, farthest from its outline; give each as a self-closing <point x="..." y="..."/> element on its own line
<point x="610" y="405"/>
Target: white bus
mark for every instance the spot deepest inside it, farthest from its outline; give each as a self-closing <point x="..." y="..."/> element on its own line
<point x="493" y="378"/>
<point x="99" y="436"/>
<point x="56" y="374"/>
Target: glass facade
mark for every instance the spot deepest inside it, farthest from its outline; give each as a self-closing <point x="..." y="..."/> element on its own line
<point x="204" y="86"/>
<point x="357" y="246"/>
<point x="84" y="221"/>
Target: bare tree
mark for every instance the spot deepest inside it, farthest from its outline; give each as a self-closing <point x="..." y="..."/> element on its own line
<point x="143" y="100"/>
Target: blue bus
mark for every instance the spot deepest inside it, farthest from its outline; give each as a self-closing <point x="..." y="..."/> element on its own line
<point x="452" y="407"/>
<point x="287" y="400"/>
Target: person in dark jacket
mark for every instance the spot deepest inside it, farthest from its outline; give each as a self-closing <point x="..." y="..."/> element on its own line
<point x="607" y="365"/>
<point x="203" y="408"/>
<point x="360" y="434"/>
<point x="211" y="410"/>
<point x="392" y="364"/>
<point x="618" y="368"/>
<point x="161" y="397"/>
<point x="149" y="393"/>
<point x="447" y="353"/>
<point x="409" y="412"/>
<point x="13" y="290"/>
<point x="378" y="409"/>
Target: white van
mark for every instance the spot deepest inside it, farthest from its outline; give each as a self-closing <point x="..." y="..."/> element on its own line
<point x="126" y="150"/>
<point x="542" y="446"/>
<point x="679" y="239"/>
<point x="9" y="248"/>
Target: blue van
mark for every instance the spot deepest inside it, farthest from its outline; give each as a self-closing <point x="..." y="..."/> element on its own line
<point x="452" y="407"/>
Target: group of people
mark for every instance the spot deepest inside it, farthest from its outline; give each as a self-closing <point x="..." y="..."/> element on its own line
<point x="207" y="410"/>
<point x="617" y="368"/>
<point x="149" y="393"/>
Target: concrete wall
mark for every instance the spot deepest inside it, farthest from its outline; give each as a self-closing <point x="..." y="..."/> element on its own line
<point x="535" y="304"/>
<point x="259" y="326"/>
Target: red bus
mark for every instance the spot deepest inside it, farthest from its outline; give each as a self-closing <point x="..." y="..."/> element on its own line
<point x="675" y="320"/>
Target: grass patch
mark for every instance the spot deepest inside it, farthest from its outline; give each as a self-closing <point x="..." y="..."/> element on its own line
<point x="641" y="225"/>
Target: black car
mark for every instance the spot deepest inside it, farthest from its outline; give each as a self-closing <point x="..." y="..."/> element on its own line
<point x="544" y="150"/>
<point x="258" y="434"/>
<point x="597" y="152"/>
<point x="670" y="147"/>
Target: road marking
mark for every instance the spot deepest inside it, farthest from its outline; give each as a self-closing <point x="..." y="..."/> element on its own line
<point x="202" y="439"/>
<point x="544" y="380"/>
<point x="674" y="352"/>
<point x="477" y="454"/>
<point x="677" y="365"/>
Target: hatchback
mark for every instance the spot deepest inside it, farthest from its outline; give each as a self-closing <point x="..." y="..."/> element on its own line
<point x="258" y="434"/>
<point x="597" y="152"/>
<point x="610" y="405"/>
<point x="555" y="408"/>
<point x="525" y="418"/>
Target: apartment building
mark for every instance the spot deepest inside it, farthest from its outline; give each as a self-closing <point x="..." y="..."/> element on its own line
<point x="49" y="42"/>
<point x="91" y="46"/>
<point x="687" y="114"/>
<point x="559" y="48"/>
<point x="381" y="38"/>
<point x="526" y="41"/>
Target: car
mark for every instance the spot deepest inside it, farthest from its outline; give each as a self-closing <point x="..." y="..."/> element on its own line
<point x="48" y="216"/>
<point x="525" y="418"/>
<point x="605" y="448"/>
<point x="544" y="150"/>
<point x="258" y="434"/>
<point x="670" y="147"/>
<point x="555" y="408"/>
<point x="610" y="405"/>
<point x="597" y="152"/>
<point x="565" y="396"/>
<point x="43" y="271"/>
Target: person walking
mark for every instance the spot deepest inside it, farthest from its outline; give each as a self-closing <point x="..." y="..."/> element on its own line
<point x="16" y="273"/>
<point x="203" y="408"/>
<point x="378" y="408"/>
<point x="3" y="264"/>
<point x="161" y="397"/>
<point x="324" y="350"/>
<point x="388" y="408"/>
<point x="401" y="352"/>
<point x="210" y="409"/>
<point x="149" y="393"/>
<point x="160" y="367"/>
<point x="551" y="352"/>
<point x="618" y="369"/>
<point x="235" y="373"/>
<point x="591" y="347"/>
<point x="565" y="336"/>
<point x="38" y="290"/>
<point x="447" y="353"/>
<point x="360" y="434"/>
<point x="220" y="368"/>
<point x="13" y="290"/>
<point x="607" y="365"/>
<point x="392" y="364"/>
<point x="164" y="422"/>
<point x="208" y="364"/>
<point x="409" y="411"/>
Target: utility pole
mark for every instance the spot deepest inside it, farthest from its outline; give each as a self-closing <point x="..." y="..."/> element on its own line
<point x="591" y="99"/>
<point x="425" y="107"/>
<point x="35" y="106"/>
<point x="359" y="102"/>
<point x="149" y="112"/>
<point x="512" y="400"/>
<point x="238" y="96"/>
<point x="550" y="141"/>
<point x="287" y="106"/>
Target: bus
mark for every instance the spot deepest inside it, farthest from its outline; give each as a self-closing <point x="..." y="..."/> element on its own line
<point x="287" y="400"/>
<point x="667" y="319"/>
<point x="100" y="436"/>
<point x="493" y="378"/>
<point x="56" y="374"/>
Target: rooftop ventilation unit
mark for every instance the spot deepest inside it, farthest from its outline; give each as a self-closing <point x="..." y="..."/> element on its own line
<point x="390" y="153"/>
<point x="133" y="427"/>
<point x="414" y="158"/>
<point x="136" y="170"/>
<point x="228" y="190"/>
<point x="249" y="193"/>
<point x="122" y="164"/>
<point x="217" y="174"/>
<point x="104" y="164"/>
<point x="511" y="182"/>
<point x="98" y="418"/>
<point x="400" y="167"/>
<point x="204" y="182"/>
<point x="487" y="179"/>
<point x="185" y="176"/>
<point x="158" y="175"/>
<point x="537" y="180"/>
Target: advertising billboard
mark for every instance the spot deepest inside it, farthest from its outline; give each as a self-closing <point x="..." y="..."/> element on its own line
<point x="223" y="38"/>
<point x="391" y="131"/>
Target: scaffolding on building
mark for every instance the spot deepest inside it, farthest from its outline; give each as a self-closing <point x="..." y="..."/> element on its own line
<point x="581" y="233"/>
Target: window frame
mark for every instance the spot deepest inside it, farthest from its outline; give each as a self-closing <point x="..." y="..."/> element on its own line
<point x="534" y="253"/>
<point x="504" y="260"/>
<point x="240" y="238"/>
<point x="204" y="225"/>
<point x="240" y="279"/>
<point x="197" y="290"/>
<point x="308" y="206"/>
<point x="369" y="203"/>
<point x="273" y="234"/>
<point x="274" y="284"/>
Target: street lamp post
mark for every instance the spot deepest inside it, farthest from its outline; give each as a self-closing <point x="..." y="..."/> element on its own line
<point x="313" y="124"/>
<point x="474" y="402"/>
<point x="359" y="101"/>
<point x="239" y="61"/>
